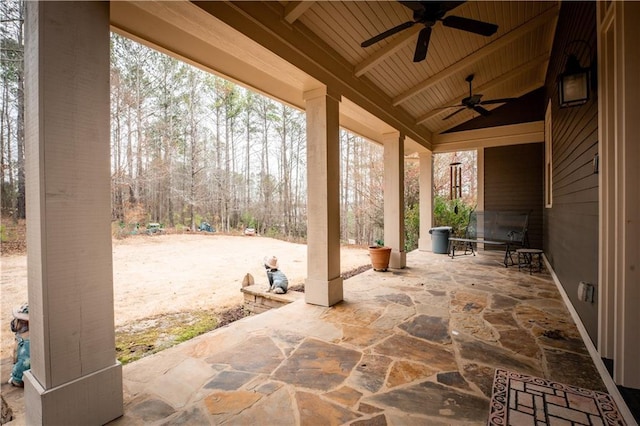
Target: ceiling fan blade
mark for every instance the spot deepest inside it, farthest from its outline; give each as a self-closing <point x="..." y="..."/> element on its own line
<point x="387" y="33"/>
<point x="481" y="110"/>
<point x="454" y="113"/>
<point x="471" y="25"/>
<point x="497" y="101"/>
<point x="422" y="45"/>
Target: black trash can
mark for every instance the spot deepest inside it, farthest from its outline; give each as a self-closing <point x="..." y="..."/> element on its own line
<point x="440" y="239"/>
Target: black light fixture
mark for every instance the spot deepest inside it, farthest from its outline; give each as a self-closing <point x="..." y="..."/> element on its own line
<point x="574" y="83"/>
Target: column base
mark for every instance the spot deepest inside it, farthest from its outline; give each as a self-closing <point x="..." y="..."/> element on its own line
<point x="94" y="399"/>
<point x="323" y="293"/>
<point x="424" y="243"/>
<point x="398" y="260"/>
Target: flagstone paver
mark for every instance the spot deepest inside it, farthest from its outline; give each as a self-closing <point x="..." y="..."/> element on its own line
<point x="151" y="410"/>
<point x="317" y="411"/>
<point x="475" y="350"/>
<point x="370" y="373"/>
<point x="500" y="319"/>
<point x="229" y="380"/>
<point x="180" y="383"/>
<point x="562" y="366"/>
<point x="418" y="350"/>
<point x="379" y="420"/>
<point x="318" y="365"/>
<point x="416" y="346"/>
<point x="345" y="396"/>
<point x="265" y="356"/>
<point x="278" y="409"/>
<point x="454" y="379"/>
<point x="191" y="416"/>
<point x="434" y="329"/>
<point x="432" y="399"/>
<point x="402" y="372"/>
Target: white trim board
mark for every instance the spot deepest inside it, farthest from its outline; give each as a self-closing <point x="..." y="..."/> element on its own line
<point x="512" y="134"/>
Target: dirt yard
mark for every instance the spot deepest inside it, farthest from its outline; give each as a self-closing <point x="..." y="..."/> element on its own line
<point x="176" y="273"/>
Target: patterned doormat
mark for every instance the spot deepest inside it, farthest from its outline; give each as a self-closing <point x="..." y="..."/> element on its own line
<point x="519" y="399"/>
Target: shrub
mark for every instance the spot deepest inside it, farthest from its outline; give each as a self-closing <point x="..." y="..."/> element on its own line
<point x="454" y="213"/>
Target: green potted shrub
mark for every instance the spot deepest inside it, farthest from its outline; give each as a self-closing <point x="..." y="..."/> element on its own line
<point x="379" y="255"/>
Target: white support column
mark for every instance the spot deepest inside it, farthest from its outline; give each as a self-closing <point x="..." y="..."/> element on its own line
<point x="323" y="285"/>
<point x="627" y="274"/>
<point x="607" y="241"/>
<point x="74" y="376"/>
<point x="426" y="200"/>
<point x="619" y="245"/>
<point x="394" y="198"/>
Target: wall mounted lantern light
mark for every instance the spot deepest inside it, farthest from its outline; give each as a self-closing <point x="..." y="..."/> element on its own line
<point x="574" y="83"/>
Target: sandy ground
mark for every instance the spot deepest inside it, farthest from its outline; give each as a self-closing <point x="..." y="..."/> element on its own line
<point x="171" y="273"/>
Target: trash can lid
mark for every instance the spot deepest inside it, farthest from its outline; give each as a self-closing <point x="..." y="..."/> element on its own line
<point x="440" y="229"/>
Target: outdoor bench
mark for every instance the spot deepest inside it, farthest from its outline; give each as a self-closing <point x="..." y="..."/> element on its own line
<point x="493" y="228"/>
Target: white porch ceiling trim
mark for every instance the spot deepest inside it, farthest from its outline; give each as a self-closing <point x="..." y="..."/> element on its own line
<point x="182" y="30"/>
<point x="513" y="134"/>
<point x="476" y="56"/>
<point x="362" y="123"/>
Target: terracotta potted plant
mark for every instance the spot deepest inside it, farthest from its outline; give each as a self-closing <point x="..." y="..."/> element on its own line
<point x="379" y="255"/>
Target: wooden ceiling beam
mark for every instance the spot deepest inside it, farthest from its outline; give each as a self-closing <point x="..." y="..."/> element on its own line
<point x="380" y="55"/>
<point x="488" y="137"/>
<point x="296" y="9"/>
<point x="490" y="48"/>
<point x="535" y="62"/>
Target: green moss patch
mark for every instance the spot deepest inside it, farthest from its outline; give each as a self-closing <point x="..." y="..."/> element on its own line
<point x="150" y="335"/>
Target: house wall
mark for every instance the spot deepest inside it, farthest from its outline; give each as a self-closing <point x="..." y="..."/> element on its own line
<point x="571" y="223"/>
<point x="513" y="181"/>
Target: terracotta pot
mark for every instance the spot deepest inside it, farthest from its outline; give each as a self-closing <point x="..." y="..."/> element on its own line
<point x="380" y="257"/>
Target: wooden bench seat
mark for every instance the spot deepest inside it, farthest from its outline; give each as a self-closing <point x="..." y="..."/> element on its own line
<point x="493" y="228"/>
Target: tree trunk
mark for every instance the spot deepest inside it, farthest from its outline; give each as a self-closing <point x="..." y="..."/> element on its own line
<point x="20" y="212"/>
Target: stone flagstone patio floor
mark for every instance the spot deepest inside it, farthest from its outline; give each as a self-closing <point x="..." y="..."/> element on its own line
<point x="412" y="346"/>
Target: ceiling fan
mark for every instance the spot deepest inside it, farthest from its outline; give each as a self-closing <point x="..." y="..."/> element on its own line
<point x="428" y="13"/>
<point x="474" y="101"/>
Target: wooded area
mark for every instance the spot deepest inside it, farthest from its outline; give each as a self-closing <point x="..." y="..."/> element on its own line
<point x="12" y="175"/>
<point x="189" y="147"/>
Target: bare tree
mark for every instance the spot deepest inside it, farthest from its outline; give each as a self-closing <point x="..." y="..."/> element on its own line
<point x="12" y="115"/>
<point x="189" y="146"/>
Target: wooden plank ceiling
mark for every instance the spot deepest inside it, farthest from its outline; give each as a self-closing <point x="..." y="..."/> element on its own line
<point x="286" y="48"/>
<point x="508" y="64"/>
